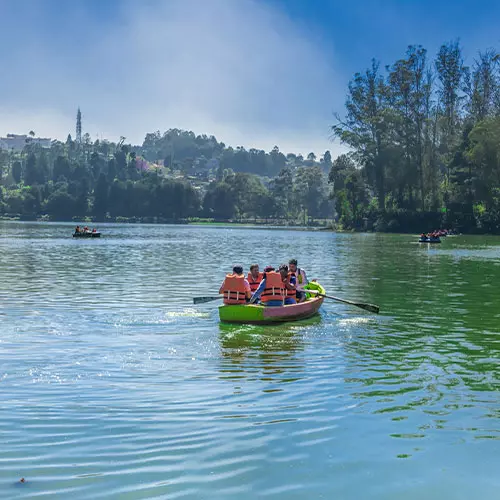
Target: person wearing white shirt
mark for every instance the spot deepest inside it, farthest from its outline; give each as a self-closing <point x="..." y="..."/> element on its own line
<point x="301" y="277"/>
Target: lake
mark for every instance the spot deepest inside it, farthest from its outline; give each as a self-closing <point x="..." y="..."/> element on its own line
<point x="114" y="386"/>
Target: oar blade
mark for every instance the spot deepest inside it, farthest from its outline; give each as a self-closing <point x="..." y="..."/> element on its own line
<point x="368" y="307"/>
<point x="202" y="300"/>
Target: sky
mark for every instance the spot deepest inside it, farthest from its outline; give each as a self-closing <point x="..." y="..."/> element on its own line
<point x="254" y="73"/>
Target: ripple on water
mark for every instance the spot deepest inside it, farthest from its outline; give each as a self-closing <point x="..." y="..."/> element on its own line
<point x="115" y="386"/>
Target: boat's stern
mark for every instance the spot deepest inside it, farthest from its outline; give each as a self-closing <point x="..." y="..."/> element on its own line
<point x="249" y="313"/>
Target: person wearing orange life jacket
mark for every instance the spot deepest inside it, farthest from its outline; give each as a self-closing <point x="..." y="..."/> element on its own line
<point x="235" y="288"/>
<point x="274" y="287"/>
<point x="289" y="284"/>
<point x="271" y="291"/>
<point x="254" y="277"/>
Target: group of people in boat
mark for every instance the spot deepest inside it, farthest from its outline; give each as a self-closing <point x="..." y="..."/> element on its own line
<point x="437" y="233"/>
<point x="84" y="230"/>
<point x="272" y="287"/>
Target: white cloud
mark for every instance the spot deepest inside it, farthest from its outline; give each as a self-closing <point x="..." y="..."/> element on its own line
<point x="238" y="69"/>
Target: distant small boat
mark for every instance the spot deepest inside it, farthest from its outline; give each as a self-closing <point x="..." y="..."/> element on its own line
<point x="429" y="240"/>
<point x="87" y="235"/>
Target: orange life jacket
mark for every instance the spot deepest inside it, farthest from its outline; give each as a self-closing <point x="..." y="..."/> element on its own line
<point x="291" y="293"/>
<point x="274" y="288"/>
<point x="254" y="284"/>
<point x="234" y="290"/>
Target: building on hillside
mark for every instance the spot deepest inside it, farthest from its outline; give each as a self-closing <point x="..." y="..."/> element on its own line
<point x="17" y="143"/>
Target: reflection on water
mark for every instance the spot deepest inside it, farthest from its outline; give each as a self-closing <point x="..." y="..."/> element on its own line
<point x="115" y="386"/>
<point x="284" y="337"/>
<point x="273" y="348"/>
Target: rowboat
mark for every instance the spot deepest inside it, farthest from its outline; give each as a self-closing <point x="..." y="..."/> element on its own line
<point x="86" y="235"/>
<point x="258" y="314"/>
<point x="429" y="240"/>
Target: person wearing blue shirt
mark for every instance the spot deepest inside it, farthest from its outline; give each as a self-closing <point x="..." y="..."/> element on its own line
<point x="256" y="295"/>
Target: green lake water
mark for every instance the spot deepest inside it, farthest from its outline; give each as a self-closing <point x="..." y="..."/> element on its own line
<point x="114" y="386"/>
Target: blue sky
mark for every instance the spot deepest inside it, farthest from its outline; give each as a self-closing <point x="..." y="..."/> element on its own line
<point x="252" y="72"/>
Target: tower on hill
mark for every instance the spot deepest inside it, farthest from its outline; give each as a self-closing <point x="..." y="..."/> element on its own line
<point x="79" y="126"/>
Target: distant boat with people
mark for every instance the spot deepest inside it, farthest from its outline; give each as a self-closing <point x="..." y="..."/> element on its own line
<point x="436" y="235"/>
<point x="429" y="239"/>
<point x="86" y="233"/>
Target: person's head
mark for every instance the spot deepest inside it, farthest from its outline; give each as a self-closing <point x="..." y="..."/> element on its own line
<point x="254" y="270"/>
<point x="268" y="269"/>
<point x="283" y="270"/>
<point x="293" y="265"/>
<point x="238" y="270"/>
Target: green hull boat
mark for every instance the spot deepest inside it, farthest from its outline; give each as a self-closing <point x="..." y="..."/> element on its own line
<point x="258" y="314"/>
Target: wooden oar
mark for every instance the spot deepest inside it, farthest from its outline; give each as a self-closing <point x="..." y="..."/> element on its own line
<point x="368" y="307"/>
<point x="202" y="300"/>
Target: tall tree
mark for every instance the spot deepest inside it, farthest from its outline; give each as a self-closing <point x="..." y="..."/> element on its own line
<point x="31" y="172"/>
<point x="365" y="126"/>
<point x="407" y="81"/>
<point x="483" y="86"/>
<point x="282" y="190"/>
<point x="451" y="74"/>
<point x="484" y="153"/>
<point x="17" y="171"/>
<point x="100" y="206"/>
<point x="310" y="190"/>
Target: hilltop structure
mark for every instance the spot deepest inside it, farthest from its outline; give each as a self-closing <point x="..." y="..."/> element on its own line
<point x="16" y="143"/>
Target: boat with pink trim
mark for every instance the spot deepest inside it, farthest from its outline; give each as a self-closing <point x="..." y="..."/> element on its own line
<point x="259" y="314"/>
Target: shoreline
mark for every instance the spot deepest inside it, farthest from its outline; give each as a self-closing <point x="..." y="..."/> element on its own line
<point x="161" y="220"/>
<point x="206" y="223"/>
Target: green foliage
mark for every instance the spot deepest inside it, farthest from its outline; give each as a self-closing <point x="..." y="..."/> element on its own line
<point x="60" y="205"/>
<point x="424" y="139"/>
<point x="14" y="202"/>
<point x="424" y="151"/>
<point x="311" y="193"/>
<point x="190" y="153"/>
<point x="187" y="176"/>
<point x="17" y="171"/>
<point x="219" y="201"/>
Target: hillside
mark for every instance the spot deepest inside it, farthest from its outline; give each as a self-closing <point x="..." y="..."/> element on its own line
<point x="172" y="176"/>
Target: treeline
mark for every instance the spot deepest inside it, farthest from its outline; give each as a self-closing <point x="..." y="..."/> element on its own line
<point x="108" y="181"/>
<point x="197" y="154"/>
<point x="425" y="140"/>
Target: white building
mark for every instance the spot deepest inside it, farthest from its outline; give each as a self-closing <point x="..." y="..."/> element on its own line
<point x="16" y="143"/>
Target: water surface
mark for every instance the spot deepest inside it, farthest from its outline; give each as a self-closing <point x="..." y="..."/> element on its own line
<point x="114" y="386"/>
